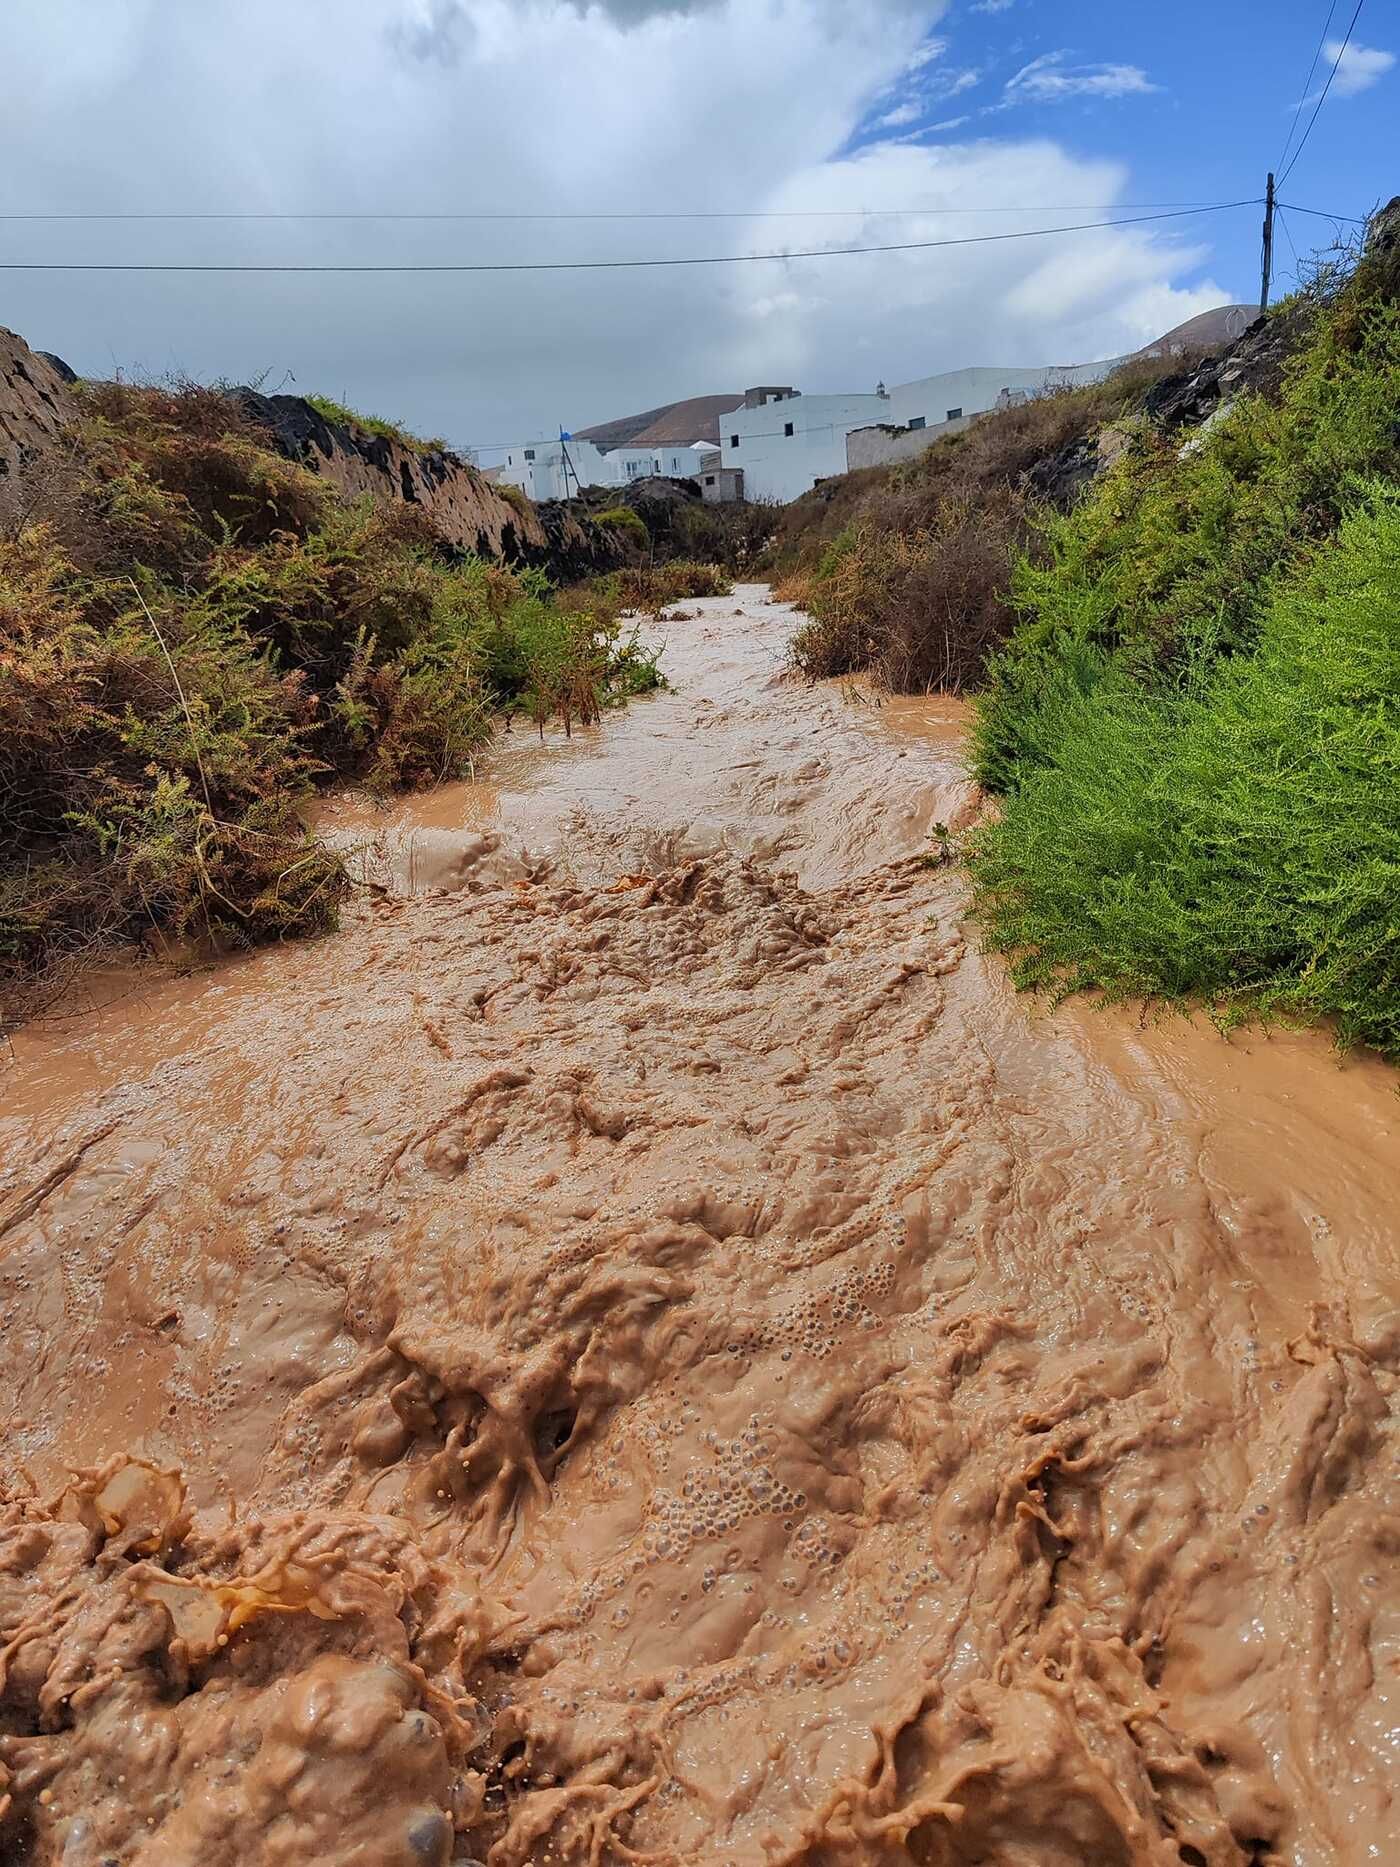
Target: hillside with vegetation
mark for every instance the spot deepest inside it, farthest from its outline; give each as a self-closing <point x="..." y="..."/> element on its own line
<point x="1195" y="731"/>
<point x="196" y="632"/>
<point x="1178" y="607"/>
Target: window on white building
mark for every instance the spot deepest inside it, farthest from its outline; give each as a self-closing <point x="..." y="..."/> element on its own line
<point x="529" y="453"/>
<point x="918" y="421"/>
<point x="787" y="427"/>
<point x="954" y="414"/>
<point x="733" y="440"/>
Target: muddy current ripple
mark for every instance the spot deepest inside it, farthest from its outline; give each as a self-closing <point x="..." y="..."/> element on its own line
<point x="642" y="1349"/>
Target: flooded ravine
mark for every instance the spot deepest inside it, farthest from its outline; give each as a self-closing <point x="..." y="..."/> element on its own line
<point x="643" y="1348"/>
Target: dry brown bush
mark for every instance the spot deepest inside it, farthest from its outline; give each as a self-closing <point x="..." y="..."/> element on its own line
<point x="907" y="569"/>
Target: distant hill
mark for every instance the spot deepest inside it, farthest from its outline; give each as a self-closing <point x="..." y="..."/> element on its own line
<point x="698" y="417"/>
<point x="673" y="424"/>
<point x="1210" y="330"/>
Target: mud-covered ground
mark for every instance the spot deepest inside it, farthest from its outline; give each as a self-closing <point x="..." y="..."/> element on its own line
<point x="641" y="1348"/>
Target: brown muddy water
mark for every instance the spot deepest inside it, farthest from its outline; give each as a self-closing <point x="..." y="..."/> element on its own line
<point x="643" y="1349"/>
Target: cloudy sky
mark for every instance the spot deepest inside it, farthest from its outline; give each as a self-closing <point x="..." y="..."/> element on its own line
<point x="789" y="124"/>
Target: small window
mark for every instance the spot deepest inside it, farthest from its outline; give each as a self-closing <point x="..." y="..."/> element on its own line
<point x="709" y="479"/>
<point x="918" y="421"/>
<point x="787" y="427"/>
<point x="955" y="414"/>
<point x="529" y="453"/>
<point x="733" y="440"/>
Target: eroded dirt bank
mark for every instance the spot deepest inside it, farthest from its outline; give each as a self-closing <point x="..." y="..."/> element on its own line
<point x="672" y="1361"/>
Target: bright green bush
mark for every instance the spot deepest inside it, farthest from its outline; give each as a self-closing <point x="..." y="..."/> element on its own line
<point x="1237" y="839"/>
<point x="1196" y="728"/>
<point x="1169" y="561"/>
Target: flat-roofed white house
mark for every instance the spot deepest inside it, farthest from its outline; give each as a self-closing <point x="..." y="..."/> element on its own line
<point x="557" y="469"/>
<point x="785" y="442"/>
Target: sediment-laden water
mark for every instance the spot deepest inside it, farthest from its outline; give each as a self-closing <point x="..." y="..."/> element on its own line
<point x="643" y="1348"/>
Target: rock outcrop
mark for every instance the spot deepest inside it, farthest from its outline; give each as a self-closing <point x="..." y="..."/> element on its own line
<point x="467" y="511"/>
<point x="36" y="402"/>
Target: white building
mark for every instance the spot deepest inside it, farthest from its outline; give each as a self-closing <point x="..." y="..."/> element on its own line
<point x="785" y="441"/>
<point x="556" y="469"/>
<point x="541" y="469"/>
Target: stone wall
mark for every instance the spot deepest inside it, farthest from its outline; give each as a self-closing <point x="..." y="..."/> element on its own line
<point x="883" y="445"/>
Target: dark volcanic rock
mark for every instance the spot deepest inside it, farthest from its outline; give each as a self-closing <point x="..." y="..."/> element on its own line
<point x="36" y="403"/>
<point x="1254" y="363"/>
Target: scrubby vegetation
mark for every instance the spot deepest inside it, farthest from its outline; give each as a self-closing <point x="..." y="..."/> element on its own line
<point x="194" y="633"/>
<point x="644" y="589"/>
<point x="906" y="571"/>
<point x="665" y="524"/>
<point x="1196" y="729"/>
<point x="344" y="417"/>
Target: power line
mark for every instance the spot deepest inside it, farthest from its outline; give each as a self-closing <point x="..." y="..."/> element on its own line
<point x="1297" y="263"/>
<point x="1355" y="220"/>
<point x="1083" y="207"/>
<point x="609" y="265"/>
<point x="1303" y="94"/>
<point x="1322" y="96"/>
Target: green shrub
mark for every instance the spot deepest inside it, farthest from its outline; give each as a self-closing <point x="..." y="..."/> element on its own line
<point x="630" y="524"/>
<point x="1238" y="837"/>
<point x="1168" y="563"/>
<point x="1196" y="728"/>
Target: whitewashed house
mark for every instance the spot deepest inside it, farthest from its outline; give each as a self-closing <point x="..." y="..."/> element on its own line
<point x="556" y="469"/>
<point x="784" y="441"/>
<point x="541" y="469"/>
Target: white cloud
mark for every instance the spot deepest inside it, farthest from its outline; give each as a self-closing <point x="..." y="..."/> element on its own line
<point x="993" y="6"/>
<point x="1360" y="67"/>
<point x="500" y="105"/>
<point x="1049" y="80"/>
<point x="930" y="50"/>
<point x="896" y="118"/>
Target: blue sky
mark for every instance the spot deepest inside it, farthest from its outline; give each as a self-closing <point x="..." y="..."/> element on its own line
<point x="1197" y="99"/>
<point x="787" y="119"/>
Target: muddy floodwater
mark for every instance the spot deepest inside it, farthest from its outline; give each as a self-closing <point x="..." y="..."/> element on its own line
<point x="642" y="1348"/>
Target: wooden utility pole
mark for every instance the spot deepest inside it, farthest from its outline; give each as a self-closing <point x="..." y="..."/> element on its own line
<point x="1268" y="246"/>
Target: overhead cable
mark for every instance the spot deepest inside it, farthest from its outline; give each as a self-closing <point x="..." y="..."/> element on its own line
<point x="1322" y="95"/>
<point x="1303" y="94"/>
<point x="605" y="265"/>
<point x="775" y="213"/>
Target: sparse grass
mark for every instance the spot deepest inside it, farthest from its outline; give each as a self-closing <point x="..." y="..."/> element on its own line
<point x="517" y="497"/>
<point x="193" y="634"/>
<point x="345" y="417"/>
